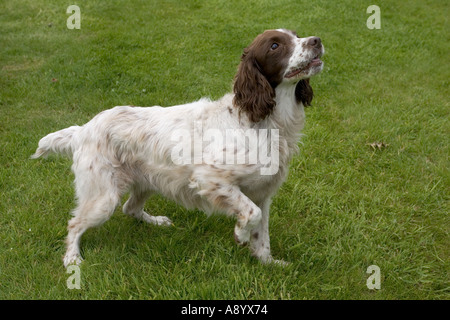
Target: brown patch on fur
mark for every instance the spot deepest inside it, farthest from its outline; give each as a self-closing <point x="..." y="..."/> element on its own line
<point x="259" y="72"/>
<point x="215" y="187"/>
<point x="222" y="173"/>
<point x="222" y="201"/>
<point x="145" y="136"/>
<point x="304" y="92"/>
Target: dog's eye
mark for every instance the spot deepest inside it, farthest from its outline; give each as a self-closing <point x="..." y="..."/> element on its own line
<point x="274" y="46"/>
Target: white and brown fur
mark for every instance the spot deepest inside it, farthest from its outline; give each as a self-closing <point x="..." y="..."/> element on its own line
<point x="127" y="149"/>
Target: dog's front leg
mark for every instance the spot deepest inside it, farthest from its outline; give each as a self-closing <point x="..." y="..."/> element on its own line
<point x="248" y="217"/>
<point x="229" y="199"/>
<point x="252" y="225"/>
<point x="260" y="240"/>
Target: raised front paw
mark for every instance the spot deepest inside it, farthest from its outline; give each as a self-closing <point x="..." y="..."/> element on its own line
<point x="241" y="236"/>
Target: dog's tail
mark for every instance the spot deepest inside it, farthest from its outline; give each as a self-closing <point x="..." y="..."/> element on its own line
<point x="61" y="142"/>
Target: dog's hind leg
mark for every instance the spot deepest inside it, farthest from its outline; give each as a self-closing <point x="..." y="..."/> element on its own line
<point x="89" y="213"/>
<point x="135" y="207"/>
<point x="98" y="196"/>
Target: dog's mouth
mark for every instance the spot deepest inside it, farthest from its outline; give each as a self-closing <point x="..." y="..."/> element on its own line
<point x="314" y="62"/>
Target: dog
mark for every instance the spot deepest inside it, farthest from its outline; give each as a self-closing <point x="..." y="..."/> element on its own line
<point x="147" y="150"/>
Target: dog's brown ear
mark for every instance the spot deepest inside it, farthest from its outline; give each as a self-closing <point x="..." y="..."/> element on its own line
<point x="253" y="93"/>
<point x="304" y="92"/>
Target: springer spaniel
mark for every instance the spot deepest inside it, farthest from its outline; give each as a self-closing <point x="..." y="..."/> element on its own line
<point x="185" y="152"/>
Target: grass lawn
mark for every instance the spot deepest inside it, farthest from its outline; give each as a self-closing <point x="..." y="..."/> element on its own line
<point x="345" y="206"/>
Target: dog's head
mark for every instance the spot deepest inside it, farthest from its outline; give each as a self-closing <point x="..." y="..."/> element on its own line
<point x="275" y="57"/>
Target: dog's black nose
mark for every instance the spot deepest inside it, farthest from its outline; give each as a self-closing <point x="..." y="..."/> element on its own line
<point x="314" y="42"/>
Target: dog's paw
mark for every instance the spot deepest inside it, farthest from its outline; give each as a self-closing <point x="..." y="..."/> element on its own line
<point x="269" y="260"/>
<point x="162" y="221"/>
<point x="280" y="263"/>
<point x="72" y="259"/>
<point x="241" y="236"/>
<point x="158" y="220"/>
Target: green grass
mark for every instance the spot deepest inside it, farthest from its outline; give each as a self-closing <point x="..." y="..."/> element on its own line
<point x="345" y="205"/>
